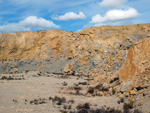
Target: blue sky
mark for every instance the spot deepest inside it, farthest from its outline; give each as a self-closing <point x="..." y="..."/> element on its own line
<point x="70" y="15"/>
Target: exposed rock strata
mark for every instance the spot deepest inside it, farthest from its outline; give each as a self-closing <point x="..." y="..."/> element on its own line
<point x="93" y="51"/>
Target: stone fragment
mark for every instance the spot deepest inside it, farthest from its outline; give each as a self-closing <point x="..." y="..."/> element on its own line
<point x="88" y="95"/>
<point x="133" y="92"/>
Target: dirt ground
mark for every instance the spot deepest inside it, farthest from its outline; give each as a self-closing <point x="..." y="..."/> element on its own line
<point x="18" y="95"/>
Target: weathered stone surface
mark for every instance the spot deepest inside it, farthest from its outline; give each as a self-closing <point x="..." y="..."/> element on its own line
<point x="125" y="86"/>
<point x="121" y="95"/>
<point x="137" y="61"/>
<point x="133" y="92"/>
<point x="97" y="50"/>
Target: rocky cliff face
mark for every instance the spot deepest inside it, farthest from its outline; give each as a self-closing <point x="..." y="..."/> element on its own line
<point x="94" y="51"/>
<point x="132" y="80"/>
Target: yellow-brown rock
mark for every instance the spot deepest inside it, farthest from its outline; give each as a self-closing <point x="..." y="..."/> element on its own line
<point x="93" y="51"/>
<point x="121" y="95"/>
<point x="137" y="61"/>
<point x="133" y="92"/>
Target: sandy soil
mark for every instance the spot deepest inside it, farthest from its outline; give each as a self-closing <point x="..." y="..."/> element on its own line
<point x="16" y="95"/>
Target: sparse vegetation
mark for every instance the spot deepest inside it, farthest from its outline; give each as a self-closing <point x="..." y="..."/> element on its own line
<point x="106" y="110"/>
<point x="62" y="100"/>
<point x="90" y="90"/>
<point x="69" y="106"/>
<point x="118" y="101"/>
<point x="48" y="72"/>
<point x="77" y="89"/>
<point x="83" y="111"/>
<point x="12" y="78"/>
<point x="100" y="87"/>
<point x="63" y="111"/>
<point x="71" y="101"/>
<point x="122" y="100"/>
<point x="59" y="100"/>
<point x="113" y="91"/>
<point x="83" y="106"/>
<point x="38" y="101"/>
<point x="137" y="111"/>
<point x="82" y="83"/>
<point x="65" y="106"/>
<point x="127" y="106"/>
<point x="65" y="84"/>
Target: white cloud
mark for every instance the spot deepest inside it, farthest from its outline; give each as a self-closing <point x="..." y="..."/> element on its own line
<point x="112" y="3"/>
<point x="70" y="16"/>
<point x="27" y="24"/>
<point x="33" y="21"/>
<point x="13" y="27"/>
<point x="115" y="15"/>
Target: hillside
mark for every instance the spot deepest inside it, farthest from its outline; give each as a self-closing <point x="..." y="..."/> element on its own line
<point x="97" y="50"/>
<point x="116" y="60"/>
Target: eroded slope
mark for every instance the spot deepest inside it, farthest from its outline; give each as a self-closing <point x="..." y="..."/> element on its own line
<point x="97" y="50"/>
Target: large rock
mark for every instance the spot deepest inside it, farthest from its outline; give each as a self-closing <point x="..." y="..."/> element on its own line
<point x="138" y="60"/>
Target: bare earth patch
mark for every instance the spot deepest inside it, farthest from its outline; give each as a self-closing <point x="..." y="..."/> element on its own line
<point x="45" y="94"/>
